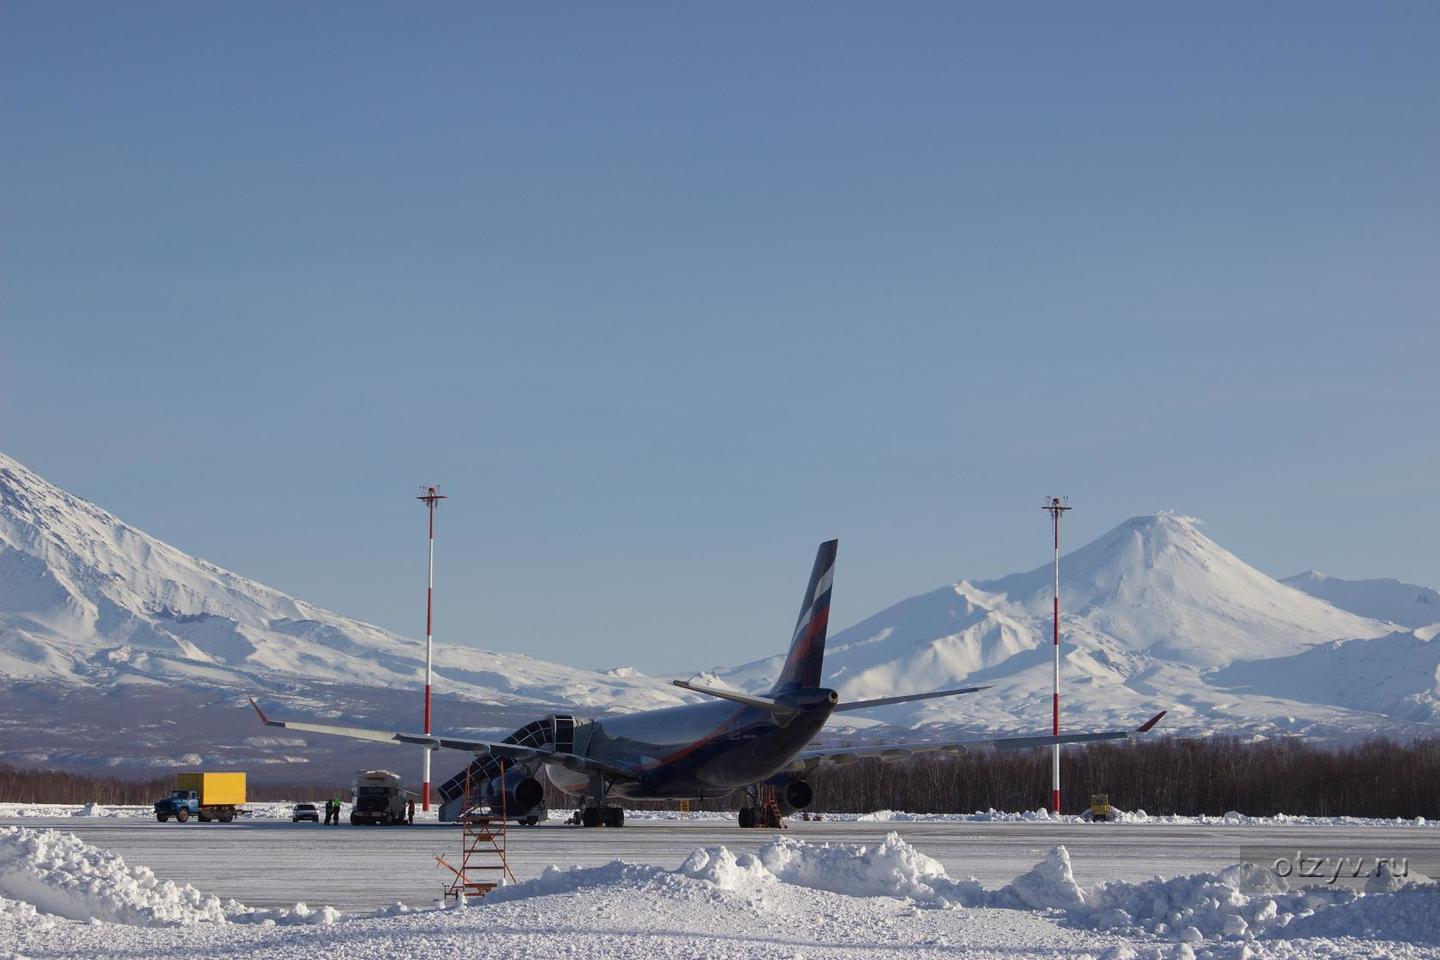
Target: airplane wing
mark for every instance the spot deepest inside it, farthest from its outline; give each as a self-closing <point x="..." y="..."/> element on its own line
<point x="904" y="698"/>
<point x="781" y="709"/>
<point x="807" y="760"/>
<point x="510" y="751"/>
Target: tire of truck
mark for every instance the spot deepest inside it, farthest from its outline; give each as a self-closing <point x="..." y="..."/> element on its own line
<point x="203" y="817"/>
<point x="531" y="821"/>
<point x="354" y="820"/>
<point x="182" y="815"/>
<point x="162" y="817"/>
<point x="226" y="817"/>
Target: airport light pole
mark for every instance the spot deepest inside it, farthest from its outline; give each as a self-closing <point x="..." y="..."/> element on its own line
<point x="1055" y="506"/>
<point x="431" y="498"/>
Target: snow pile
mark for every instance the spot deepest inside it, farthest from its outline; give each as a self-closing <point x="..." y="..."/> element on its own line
<point x="554" y="880"/>
<point x="1243" y="901"/>
<point x="1041" y="815"/>
<point x="719" y="866"/>
<point x="50" y="810"/>
<point x="61" y="874"/>
<point x="1050" y="884"/>
<point x="1411" y="914"/>
<point x="893" y="869"/>
<point x="50" y="872"/>
<point x="1240" y="903"/>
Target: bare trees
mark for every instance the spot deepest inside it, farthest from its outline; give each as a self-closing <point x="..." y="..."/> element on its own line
<point x="1377" y="778"/>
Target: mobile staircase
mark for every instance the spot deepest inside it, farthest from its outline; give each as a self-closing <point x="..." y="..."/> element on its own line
<point x="483" y="863"/>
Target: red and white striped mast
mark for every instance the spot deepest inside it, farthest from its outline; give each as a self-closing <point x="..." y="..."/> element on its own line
<point x="1055" y="506"/>
<point x="431" y="497"/>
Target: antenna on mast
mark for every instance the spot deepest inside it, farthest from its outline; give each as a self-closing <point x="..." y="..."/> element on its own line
<point x="1055" y="506"/>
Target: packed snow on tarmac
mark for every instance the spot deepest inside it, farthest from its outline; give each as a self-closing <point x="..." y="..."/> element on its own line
<point x="62" y="897"/>
<point x="281" y="810"/>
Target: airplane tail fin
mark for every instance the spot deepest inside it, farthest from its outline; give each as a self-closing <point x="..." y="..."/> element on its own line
<point x="807" y="645"/>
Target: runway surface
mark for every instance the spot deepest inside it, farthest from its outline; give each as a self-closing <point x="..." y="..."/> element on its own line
<point x="276" y="863"/>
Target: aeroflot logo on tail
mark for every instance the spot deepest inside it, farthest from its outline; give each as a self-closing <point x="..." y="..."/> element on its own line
<point x="821" y="589"/>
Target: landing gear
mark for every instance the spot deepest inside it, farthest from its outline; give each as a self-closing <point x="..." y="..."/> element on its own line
<point x="602" y="817"/>
<point x="599" y="813"/>
<point x="762" y="809"/>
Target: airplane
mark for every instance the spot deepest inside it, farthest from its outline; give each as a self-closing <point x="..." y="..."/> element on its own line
<point x="734" y="741"/>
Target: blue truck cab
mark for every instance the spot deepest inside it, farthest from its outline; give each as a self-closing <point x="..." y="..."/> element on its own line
<point x="181" y="804"/>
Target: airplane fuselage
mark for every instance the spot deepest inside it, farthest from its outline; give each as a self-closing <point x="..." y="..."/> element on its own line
<point x="698" y="750"/>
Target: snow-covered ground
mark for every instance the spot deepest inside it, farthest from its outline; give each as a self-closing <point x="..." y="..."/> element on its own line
<point x="281" y="810"/>
<point x="776" y="894"/>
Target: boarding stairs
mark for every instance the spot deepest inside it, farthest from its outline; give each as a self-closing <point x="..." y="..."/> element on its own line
<point x="555" y="732"/>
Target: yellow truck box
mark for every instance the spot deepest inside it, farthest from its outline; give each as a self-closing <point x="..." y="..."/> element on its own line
<point x="214" y="789"/>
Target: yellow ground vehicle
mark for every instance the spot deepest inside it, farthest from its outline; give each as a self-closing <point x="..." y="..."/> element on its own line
<point x="1100" y="807"/>
<point x="205" y="796"/>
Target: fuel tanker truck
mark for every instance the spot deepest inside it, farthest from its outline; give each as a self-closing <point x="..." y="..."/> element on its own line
<point x="379" y="798"/>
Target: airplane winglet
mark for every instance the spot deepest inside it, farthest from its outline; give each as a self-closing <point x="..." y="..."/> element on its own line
<point x="1145" y="727"/>
<point x="261" y="714"/>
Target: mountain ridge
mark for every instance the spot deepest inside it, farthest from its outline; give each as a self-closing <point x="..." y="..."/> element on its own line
<point x="85" y="597"/>
<point x="1155" y="616"/>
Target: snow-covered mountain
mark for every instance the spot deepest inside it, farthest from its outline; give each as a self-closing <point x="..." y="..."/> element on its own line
<point x="86" y="599"/>
<point x="118" y="649"/>
<point x="1405" y="604"/>
<point x="1154" y="611"/>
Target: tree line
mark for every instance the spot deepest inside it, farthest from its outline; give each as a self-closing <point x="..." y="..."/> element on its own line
<point x="1376" y="778"/>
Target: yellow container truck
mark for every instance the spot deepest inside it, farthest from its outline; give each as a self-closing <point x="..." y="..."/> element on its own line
<point x="204" y="796"/>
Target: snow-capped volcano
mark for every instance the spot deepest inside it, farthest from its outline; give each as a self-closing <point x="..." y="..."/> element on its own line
<point x="86" y="598"/>
<point x="118" y="648"/>
<point x="1151" y="610"/>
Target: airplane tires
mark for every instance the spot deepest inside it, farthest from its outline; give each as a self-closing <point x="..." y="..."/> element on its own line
<point x="590" y="817"/>
<point x="531" y="821"/>
<point x="747" y="817"/>
<point x="614" y="816"/>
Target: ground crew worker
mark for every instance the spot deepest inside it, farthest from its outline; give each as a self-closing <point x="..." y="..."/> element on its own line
<point x="329" y="809"/>
<point x="410" y="812"/>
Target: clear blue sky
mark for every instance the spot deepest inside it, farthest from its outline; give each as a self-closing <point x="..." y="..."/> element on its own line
<point x="665" y="294"/>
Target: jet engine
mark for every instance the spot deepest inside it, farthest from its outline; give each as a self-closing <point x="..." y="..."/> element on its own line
<point x="792" y="794"/>
<point x="517" y="790"/>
